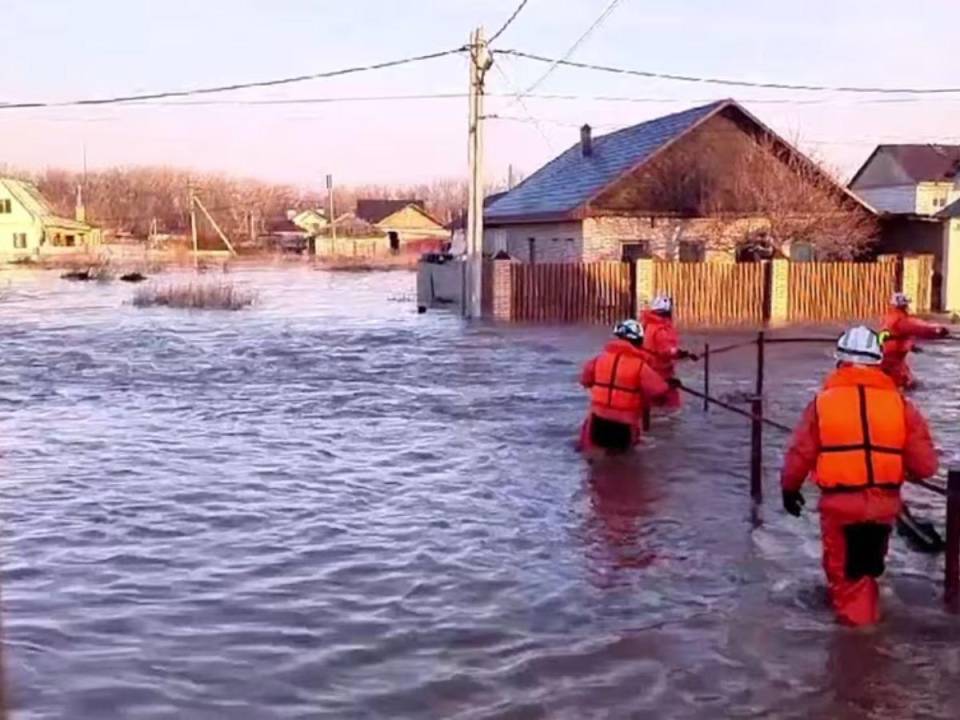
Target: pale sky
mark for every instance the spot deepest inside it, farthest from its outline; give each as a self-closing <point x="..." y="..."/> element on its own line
<point x="54" y="50"/>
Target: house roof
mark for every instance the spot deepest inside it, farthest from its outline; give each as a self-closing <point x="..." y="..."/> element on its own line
<point x="561" y="188"/>
<point x="950" y="211"/>
<point x="36" y="205"/>
<point x="283" y="225"/>
<point x="908" y="165"/>
<point x="570" y="180"/>
<point x="373" y="211"/>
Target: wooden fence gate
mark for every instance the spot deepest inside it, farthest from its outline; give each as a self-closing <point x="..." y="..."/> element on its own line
<point x="713" y="293"/>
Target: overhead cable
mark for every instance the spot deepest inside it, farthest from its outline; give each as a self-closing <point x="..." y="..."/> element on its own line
<point x="236" y="86"/>
<point x="729" y="82"/>
<point x="509" y="22"/>
<point x="573" y="48"/>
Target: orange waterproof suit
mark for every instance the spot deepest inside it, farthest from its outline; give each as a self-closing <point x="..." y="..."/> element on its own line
<point x="661" y="341"/>
<point x="860" y="439"/>
<point x="903" y="328"/>
<point x="621" y="384"/>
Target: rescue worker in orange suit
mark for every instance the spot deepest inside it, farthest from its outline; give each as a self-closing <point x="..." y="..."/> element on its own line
<point x="621" y="384"/>
<point x="859" y="439"/>
<point x="900" y="329"/>
<point x="663" y="343"/>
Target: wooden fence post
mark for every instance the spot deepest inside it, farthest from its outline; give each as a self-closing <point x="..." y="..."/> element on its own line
<point x="910" y="282"/>
<point x="951" y="580"/>
<point x="756" y="430"/>
<point x="706" y="377"/>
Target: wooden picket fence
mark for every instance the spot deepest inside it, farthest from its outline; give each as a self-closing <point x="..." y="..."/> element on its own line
<point x="832" y="291"/>
<point x="707" y="294"/>
<point x="600" y="292"/>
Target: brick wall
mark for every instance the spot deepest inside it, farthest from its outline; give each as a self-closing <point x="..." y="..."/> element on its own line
<point x="552" y="242"/>
<point x="603" y="237"/>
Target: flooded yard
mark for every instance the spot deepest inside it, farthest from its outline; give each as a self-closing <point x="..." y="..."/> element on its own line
<point x="330" y="506"/>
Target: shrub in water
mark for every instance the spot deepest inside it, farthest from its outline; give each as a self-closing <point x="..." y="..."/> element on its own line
<point x="195" y="296"/>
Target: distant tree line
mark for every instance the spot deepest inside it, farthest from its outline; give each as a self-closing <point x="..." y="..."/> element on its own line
<point x="134" y="199"/>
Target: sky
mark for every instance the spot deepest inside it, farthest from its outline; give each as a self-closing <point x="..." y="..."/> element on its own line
<point x="57" y="50"/>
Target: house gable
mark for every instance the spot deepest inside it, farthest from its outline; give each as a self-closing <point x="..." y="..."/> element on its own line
<point x="728" y="164"/>
<point x="410" y="217"/>
<point x="881" y="170"/>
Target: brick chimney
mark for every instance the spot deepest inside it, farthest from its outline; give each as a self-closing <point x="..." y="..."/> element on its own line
<point x="80" y="211"/>
<point x="586" y="141"/>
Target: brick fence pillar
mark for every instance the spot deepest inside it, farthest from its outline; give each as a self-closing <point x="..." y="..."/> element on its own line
<point x="502" y="290"/>
<point x="910" y="282"/>
<point x="645" y="280"/>
<point x="779" y="291"/>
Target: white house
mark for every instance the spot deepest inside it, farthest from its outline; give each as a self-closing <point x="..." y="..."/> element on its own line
<point x="30" y="228"/>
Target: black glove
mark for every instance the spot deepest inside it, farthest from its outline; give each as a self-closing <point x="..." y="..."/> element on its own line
<point x="917" y="349"/>
<point x="687" y="355"/>
<point x="793" y="502"/>
<point x="674" y="382"/>
<point x="943" y="332"/>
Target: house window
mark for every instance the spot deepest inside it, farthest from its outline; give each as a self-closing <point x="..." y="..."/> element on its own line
<point x="692" y="251"/>
<point x="532" y="250"/>
<point x="5" y="206"/>
<point x="632" y="251"/>
<point x="70" y="241"/>
<point x="801" y="252"/>
<point x="20" y="241"/>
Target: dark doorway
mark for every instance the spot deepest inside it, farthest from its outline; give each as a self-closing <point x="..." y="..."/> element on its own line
<point x="532" y="245"/>
<point x="633" y="251"/>
<point x="394" y="242"/>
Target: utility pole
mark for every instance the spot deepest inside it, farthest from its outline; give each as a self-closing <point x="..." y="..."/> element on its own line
<point x="510" y="176"/>
<point x="193" y="226"/>
<point x="480" y="62"/>
<point x="332" y="219"/>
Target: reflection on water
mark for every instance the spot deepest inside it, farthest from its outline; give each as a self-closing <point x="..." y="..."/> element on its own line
<point x="329" y="506"/>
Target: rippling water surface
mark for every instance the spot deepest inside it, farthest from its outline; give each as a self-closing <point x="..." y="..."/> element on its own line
<point x="329" y="506"/>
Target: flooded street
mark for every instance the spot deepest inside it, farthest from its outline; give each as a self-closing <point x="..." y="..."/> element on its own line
<point x="330" y="506"/>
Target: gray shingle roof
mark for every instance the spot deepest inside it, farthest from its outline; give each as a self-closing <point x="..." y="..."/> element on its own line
<point x="569" y="180"/>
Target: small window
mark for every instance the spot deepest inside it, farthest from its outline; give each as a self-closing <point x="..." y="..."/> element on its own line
<point x="556" y="239"/>
<point x="5" y="206"/>
<point x="532" y="250"/>
<point x="70" y="241"/>
<point x="569" y="240"/>
<point x="692" y="251"/>
<point x="20" y="241"/>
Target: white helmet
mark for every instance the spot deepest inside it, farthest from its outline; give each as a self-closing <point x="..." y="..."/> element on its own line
<point x="662" y="305"/>
<point x="900" y="300"/>
<point x="859" y="345"/>
<point x="629" y="330"/>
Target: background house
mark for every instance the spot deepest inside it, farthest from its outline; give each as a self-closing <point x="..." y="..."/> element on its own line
<point x="30" y="228"/>
<point x="916" y="191"/>
<point x="402" y="221"/>
<point x="709" y="183"/>
<point x="312" y="220"/>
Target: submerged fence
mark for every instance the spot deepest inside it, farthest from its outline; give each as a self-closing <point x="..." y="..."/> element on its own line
<point x="713" y="293"/>
<point x="572" y="292"/>
<point x="705" y="294"/>
<point x="821" y="292"/>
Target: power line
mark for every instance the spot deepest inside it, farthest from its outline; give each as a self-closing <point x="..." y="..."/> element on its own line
<point x="573" y="48"/>
<point x="235" y="86"/>
<point x="509" y="22"/>
<point x="728" y="82"/>
<point x="519" y="98"/>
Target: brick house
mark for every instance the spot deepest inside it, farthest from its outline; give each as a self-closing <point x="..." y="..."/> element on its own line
<point x="664" y="189"/>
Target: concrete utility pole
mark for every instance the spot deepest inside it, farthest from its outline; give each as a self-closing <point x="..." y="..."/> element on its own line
<point x="332" y="219"/>
<point x="480" y="62"/>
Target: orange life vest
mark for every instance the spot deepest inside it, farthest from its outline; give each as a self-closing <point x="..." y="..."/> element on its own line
<point x="862" y="425"/>
<point x="617" y="382"/>
<point x="895" y="344"/>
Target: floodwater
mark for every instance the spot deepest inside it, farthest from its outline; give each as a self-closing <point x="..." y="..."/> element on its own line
<point x="330" y="507"/>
